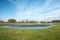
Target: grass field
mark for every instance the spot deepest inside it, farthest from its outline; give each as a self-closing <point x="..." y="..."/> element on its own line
<point x="52" y="33"/>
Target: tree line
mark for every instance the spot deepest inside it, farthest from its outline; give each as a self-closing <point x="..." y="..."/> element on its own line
<point x="14" y="21"/>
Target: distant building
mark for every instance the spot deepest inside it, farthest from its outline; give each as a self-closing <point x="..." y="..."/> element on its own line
<point x="56" y="21"/>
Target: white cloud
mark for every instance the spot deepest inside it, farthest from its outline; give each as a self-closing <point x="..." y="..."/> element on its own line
<point x="36" y="13"/>
<point x="53" y="15"/>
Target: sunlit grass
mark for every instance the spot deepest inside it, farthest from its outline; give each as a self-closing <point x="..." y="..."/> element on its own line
<point x="52" y="33"/>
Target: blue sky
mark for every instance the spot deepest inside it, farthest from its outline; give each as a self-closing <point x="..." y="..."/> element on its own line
<point x="40" y="10"/>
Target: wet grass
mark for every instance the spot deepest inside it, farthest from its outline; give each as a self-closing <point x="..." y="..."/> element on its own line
<point x="52" y="33"/>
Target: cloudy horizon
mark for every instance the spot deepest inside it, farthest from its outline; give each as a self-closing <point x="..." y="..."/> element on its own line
<point x="40" y="10"/>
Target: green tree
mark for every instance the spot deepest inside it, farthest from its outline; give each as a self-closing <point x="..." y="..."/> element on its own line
<point x="11" y="20"/>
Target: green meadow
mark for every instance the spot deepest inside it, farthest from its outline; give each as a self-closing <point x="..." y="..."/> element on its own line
<point x="52" y="33"/>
